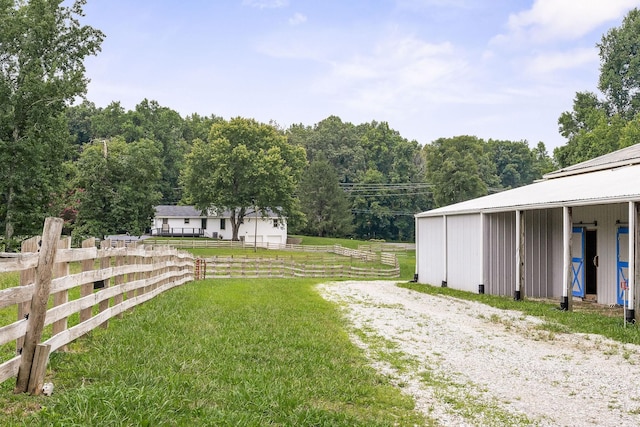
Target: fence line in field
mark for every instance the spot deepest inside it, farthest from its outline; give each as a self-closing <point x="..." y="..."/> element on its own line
<point x="112" y="280"/>
<point x="219" y="267"/>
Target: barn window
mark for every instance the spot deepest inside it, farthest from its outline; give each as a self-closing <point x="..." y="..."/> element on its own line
<point x="275" y="223"/>
<point x="186" y="220"/>
<point x="223" y="223"/>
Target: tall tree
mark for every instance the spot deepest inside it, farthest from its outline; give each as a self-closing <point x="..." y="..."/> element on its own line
<point x="620" y="67"/>
<point x="459" y="169"/>
<point x="243" y="165"/>
<point x="118" y="187"/>
<point x="42" y="49"/>
<point x="327" y="210"/>
<point x="514" y="162"/>
<point x="595" y="126"/>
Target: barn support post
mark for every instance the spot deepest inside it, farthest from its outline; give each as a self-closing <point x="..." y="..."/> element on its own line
<point x="633" y="226"/>
<point x="481" y="282"/>
<point x="417" y="239"/>
<point x="519" y="258"/>
<point x="567" y="284"/>
<point x="444" y="249"/>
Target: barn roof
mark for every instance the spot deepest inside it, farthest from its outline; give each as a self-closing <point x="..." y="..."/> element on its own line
<point x="612" y="178"/>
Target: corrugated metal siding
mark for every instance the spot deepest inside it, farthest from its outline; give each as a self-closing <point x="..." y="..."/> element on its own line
<point x="430" y="243"/>
<point x="543" y="253"/>
<point x="463" y="252"/>
<point x="606" y="216"/>
<point x="500" y="239"/>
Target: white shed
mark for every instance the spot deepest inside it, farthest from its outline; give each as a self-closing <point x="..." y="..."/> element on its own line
<point x="188" y="221"/>
<point x="569" y="235"/>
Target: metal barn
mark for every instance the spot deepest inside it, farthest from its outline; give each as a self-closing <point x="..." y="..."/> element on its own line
<point x="572" y="234"/>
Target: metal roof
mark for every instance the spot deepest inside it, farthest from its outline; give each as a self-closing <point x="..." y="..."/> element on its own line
<point x="625" y="156"/>
<point x="612" y="185"/>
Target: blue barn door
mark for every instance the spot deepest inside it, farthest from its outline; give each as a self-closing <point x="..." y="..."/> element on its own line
<point x="622" y="262"/>
<point x="577" y="262"/>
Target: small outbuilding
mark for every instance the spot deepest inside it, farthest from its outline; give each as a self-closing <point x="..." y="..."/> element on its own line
<point x="187" y="221"/>
<point x="572" y="234"/>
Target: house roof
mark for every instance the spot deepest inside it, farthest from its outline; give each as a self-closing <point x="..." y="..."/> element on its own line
<point x="618" y="182"/>
<point x="177" y="211"/>
<point x="173" y="211"/>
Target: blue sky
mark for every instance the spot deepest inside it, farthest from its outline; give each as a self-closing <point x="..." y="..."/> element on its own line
<point x="502" y="69"/>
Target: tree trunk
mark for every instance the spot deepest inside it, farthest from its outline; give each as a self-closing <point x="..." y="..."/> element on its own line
<point x="8" y="220"/>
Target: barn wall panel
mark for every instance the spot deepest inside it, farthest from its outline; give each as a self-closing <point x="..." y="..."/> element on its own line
<point x="430" y="252"/>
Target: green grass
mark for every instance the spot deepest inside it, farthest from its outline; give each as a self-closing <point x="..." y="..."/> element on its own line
<point x="556" y="321"/>
<point x="321" y="241"/>
<point x="224" y="352"/>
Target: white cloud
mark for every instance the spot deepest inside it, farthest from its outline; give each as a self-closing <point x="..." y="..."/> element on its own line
<point x="551" y="20"/>
<point x="550" y="62"/>
<point x="297" y="19"/>
<point x="266" y="4"/>
<point x="424" y="4"/>
<point x="396" y="73"/>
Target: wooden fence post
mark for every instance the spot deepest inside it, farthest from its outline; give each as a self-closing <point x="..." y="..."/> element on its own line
<point x="60" y="270"/>
<point x="87" y="288"/>
<point x="26" y="277"/>
<point x="119" y="280"/>
<point x="105" y="262"/>
<point x="35" y="325"/>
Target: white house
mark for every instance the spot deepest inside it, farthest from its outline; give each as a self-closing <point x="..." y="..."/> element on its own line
<point x="189" y="221"/>
<point x="570" y="235"/>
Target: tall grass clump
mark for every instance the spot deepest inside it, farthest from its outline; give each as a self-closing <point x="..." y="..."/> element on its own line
<point x="223" y="353"/>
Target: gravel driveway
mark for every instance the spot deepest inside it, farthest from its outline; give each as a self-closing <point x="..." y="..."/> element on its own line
<point x="468" y="364"/>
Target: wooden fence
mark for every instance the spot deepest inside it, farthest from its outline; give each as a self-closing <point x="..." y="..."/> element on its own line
<point x="347" y="266"/>
<point x="214" y="243"/>
<point x="109" y="281"/>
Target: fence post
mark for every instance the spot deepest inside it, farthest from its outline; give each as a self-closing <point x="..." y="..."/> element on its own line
<point x="87" y="288"/>
<point x="119" y="280"/>
<point x="61" y="269"/>
<point x="35" y="324"/>
<point x="105" y="262"/>
<point x="26" y="277"/>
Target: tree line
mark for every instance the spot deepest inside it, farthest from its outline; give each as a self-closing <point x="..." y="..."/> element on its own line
<point x="103" y="169"/>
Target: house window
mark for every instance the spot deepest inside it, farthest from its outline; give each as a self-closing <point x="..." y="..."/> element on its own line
<point x="186" y="220"/>
<point x="165" y="220"/>
<point x="223" y="223"/>
<point x="275" y="223"/>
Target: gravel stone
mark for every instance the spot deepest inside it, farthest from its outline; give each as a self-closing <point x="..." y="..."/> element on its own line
<point x="487" y="366"/>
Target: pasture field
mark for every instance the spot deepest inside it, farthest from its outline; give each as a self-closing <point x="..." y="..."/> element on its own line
<point x="217" y="352"/>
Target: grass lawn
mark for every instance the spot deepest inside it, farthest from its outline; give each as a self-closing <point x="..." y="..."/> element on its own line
<point x="223" y="352"/>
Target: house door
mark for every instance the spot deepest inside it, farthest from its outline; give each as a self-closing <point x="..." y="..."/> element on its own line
<point x="577" y="262"/>
<point x="622" y="263"/>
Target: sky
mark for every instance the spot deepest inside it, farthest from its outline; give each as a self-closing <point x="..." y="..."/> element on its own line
<point x="500" y="69"/>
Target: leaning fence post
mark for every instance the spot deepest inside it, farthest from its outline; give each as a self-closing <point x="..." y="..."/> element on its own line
<point x="35" y="323"/>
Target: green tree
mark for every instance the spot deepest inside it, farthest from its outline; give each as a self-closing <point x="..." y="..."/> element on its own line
<point x="327" y="210"/>
<point x="118" y="187"/>
<point x="620" y="67"/>
<point x="42" y="49"/>
<point x="243" y="165"/>
<point x="459" y="169"/>
<point x="514" y="162"/>
<point x="595" y="126"/>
